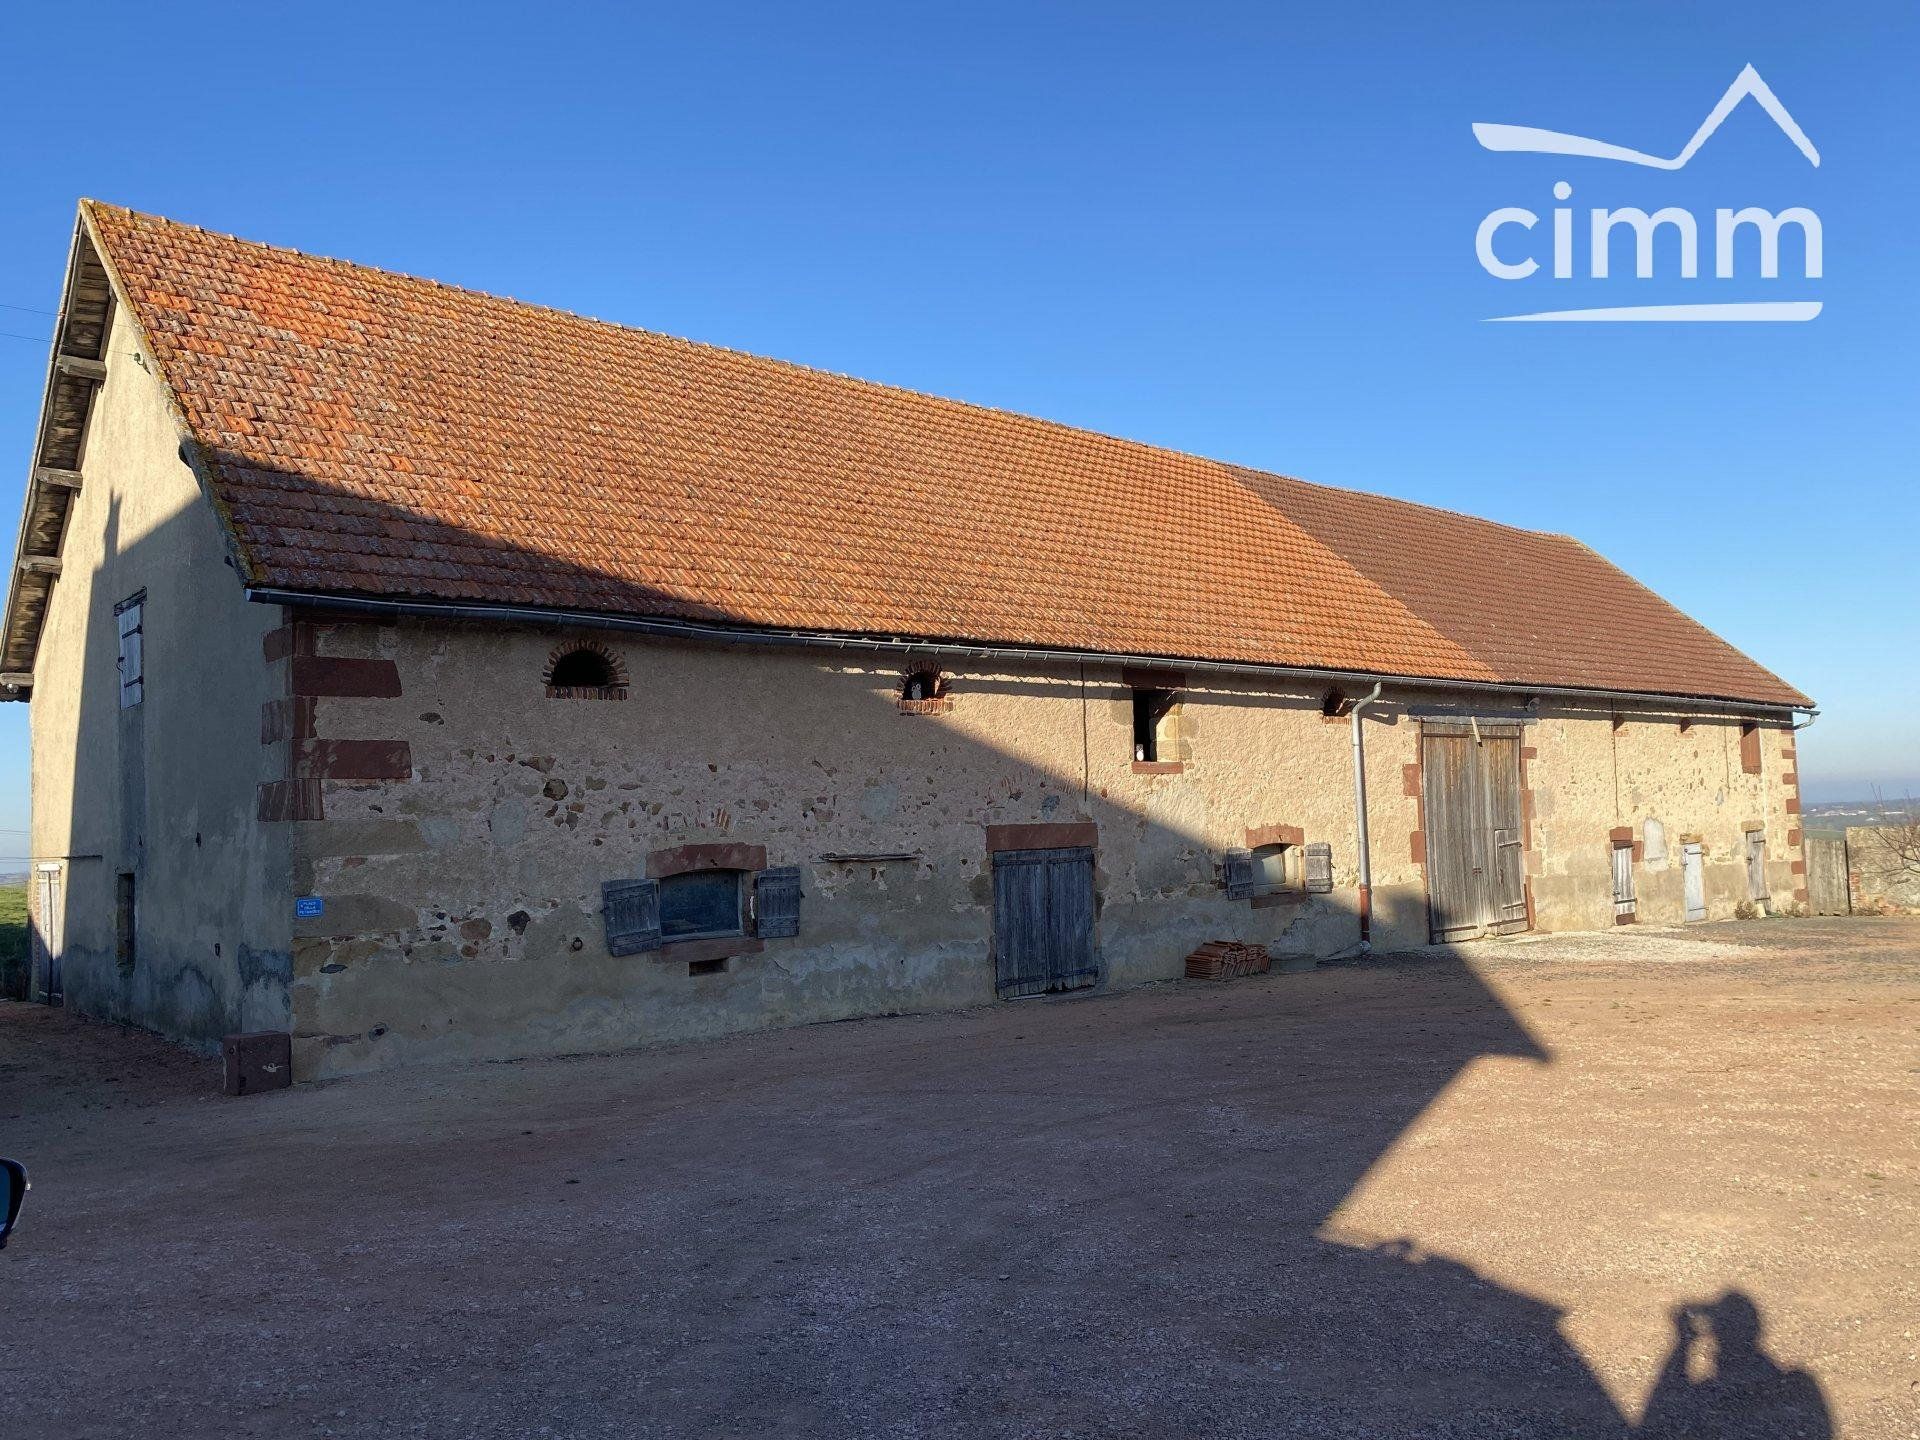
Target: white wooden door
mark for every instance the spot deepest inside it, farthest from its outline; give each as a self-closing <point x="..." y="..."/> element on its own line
<point x="1756" y="865"/>
<point x="1624" y="903"/>
<point x="1693" y="873"/>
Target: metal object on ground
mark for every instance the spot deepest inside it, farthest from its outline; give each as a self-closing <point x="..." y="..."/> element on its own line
<point x="259" y="1061"/>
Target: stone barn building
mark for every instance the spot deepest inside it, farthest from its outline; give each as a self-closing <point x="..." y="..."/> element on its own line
<point x="428" y="675"/>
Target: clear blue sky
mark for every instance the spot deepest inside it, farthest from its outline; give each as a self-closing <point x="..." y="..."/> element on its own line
<point x="1240" y="230"/>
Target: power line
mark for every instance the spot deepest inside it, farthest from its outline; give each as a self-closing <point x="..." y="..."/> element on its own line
<point x="26" y="309"/>
<point x="37" y="339"/>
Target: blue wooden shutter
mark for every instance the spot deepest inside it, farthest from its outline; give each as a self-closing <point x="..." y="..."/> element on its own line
<point x="1319" y="867"/>
<point x="631" y="909"/>
<point x="1236" y="873"/>
<point x="776" y="902"/>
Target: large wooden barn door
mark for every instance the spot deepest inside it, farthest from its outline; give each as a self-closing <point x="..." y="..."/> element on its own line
<point x="1043" y="920"/>
<point x="1476" y="847"/>
<point x="1456" y="849"/>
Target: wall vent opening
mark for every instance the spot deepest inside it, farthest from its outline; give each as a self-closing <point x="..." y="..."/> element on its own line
<point x="585" y="671"/>
<point x="1153" y="725"/>
<point x="923" y="692"/>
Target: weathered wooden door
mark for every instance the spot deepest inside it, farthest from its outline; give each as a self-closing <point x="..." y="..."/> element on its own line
<point x="1693" y="880"/>
<point x="1624" y="902"/>
<point x="1507" y="874"/>
<point x="1043" y="920"/>
<point x="1827" y="875"/>
<point x="1476" y="843"/>
<point x="43" y="979"/>
<point x="1756" y="865"/>
<point x="1456" y="844"/>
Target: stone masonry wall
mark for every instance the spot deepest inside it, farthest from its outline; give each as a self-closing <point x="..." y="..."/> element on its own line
<point x="457" y="823"/>
<point x="1880" y="881"/>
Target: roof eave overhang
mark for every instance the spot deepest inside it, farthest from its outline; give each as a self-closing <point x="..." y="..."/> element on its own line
<point x="710" y="632"/>
<point x="76" y="367"/>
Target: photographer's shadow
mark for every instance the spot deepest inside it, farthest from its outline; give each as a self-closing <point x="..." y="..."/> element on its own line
<point x="1389" y="1337"/>
<point x="1741" y="1391"/>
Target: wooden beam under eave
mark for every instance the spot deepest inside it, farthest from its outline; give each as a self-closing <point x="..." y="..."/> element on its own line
<point x="53" y="475"/>
<point x="80" y="368"/>
<point x="40" y="565"/>
<point x="17" y="680"/>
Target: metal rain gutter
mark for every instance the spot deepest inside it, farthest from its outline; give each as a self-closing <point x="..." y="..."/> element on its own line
<point x="900" y="645"/>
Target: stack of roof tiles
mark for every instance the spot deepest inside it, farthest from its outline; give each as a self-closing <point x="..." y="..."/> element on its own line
<point x="367" y="433"/>
<point x="1227" y="960"/>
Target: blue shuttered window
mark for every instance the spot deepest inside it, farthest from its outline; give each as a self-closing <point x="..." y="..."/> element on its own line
<point x="701" y="904"/>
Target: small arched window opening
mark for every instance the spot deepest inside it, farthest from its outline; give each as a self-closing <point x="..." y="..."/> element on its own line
<point x="586" y="671"/>
<point x="924" y="692"/>
<point x="582" y="670"/>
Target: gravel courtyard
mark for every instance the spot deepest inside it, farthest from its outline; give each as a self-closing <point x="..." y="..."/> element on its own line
<point x="1654" y="1182"/>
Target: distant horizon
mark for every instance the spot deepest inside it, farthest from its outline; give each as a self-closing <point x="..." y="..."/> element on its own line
<point x="1891" y="793"/>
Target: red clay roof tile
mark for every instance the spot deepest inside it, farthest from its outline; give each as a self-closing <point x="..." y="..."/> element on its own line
<point x="376" y="434"/>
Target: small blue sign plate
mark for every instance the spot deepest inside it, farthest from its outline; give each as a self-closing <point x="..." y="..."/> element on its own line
<point x="308" y="906"/>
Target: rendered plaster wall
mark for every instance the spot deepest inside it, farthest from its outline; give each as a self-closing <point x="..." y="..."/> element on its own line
<point x="164" y="790"/>
<point x="461" y="897"/>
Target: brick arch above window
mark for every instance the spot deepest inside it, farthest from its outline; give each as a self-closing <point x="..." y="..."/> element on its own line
<point x="1258" y="835"/>
<point x="566" y="662"/>
<point x="923" y="691"/>
<point x="725" y="855"/>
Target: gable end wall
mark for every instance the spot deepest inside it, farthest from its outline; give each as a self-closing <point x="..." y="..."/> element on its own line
<point x="165" y="790"/>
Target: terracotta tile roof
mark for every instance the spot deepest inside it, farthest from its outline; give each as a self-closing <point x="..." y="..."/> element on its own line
<point x="376" y="434"/>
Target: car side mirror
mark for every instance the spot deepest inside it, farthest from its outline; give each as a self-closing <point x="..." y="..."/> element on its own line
<point x="16" y="1180"/>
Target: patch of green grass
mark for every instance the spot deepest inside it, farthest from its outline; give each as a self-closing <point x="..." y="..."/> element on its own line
<point x="13" y="942"/>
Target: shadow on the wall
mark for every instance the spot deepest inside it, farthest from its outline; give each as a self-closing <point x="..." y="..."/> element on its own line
<point x="1321" y="1337"/>
<point x="191" y="970"/>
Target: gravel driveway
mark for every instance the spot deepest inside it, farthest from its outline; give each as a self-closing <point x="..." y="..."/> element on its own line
<point x="1652" y="1182"/>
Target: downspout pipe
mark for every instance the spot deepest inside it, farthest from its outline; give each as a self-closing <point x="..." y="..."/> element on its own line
<point x="1360" y="818"/>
